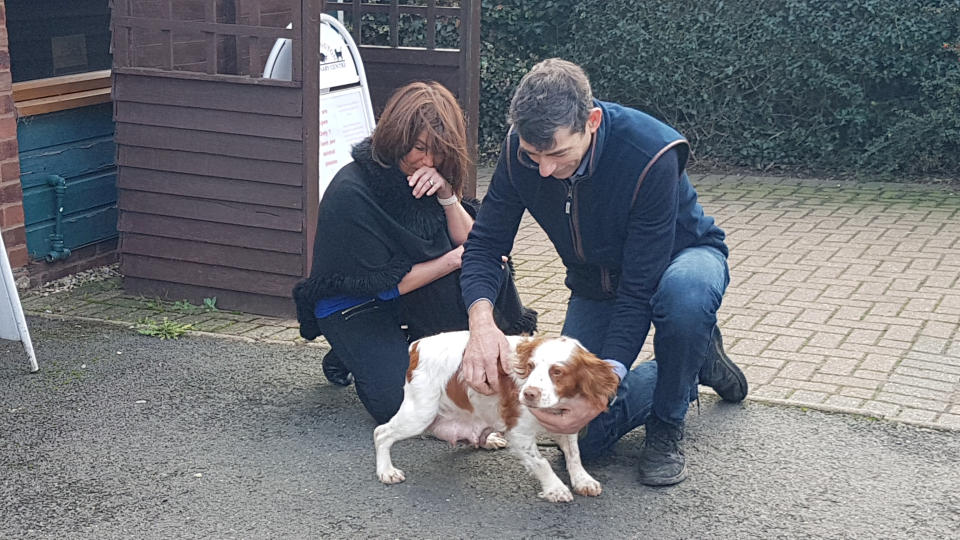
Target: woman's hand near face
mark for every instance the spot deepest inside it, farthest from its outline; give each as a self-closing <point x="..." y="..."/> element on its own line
<point x="428" y="181"/>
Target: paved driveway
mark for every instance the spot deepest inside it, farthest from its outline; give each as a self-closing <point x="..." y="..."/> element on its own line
<point x="124" y="436"/>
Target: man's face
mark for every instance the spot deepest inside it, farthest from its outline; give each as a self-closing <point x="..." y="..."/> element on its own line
<point x="563" y="158"/>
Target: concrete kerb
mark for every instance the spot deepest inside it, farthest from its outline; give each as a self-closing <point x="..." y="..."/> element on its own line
<point x="319" y="343"/>
<point x="831" y="409"/>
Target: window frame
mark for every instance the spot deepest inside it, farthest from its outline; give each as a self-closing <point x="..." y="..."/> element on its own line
<point x="41" y="96"/>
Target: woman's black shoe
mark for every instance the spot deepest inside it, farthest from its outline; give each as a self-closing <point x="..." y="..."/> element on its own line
<point x="335" y="371"/>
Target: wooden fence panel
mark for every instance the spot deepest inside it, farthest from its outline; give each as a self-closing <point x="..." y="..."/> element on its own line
<point x="270" y="262"/>
<point x="203" y="164"/>
<point x="206" y="232"/>
<point x="212" y="142"/>
<point x="238" y="123"/>
<point x="210" y="185"/>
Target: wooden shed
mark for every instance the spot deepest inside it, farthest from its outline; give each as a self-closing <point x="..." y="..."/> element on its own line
<point x="217" y="166"/>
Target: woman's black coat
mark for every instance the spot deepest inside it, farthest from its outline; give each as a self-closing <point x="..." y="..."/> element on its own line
<point x="370" y="233"/>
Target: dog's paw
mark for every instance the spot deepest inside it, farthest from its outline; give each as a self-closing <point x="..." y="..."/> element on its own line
<point x="587" y="486"/>
<point x="495" y="441"/>
<point x="556" y="494"/>
<point x="392" y="475"/>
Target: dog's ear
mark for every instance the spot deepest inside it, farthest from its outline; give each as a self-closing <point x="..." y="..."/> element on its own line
<point x="596" y="380"/>
<point x="522" y="364"/>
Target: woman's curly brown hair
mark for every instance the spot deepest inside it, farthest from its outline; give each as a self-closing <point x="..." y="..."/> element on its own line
<point x="427" y="108"/>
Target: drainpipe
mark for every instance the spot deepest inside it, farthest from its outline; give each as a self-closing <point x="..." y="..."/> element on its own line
<point x="57" y="251"/>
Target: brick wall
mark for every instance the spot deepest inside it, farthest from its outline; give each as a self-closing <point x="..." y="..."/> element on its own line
<point x="26" y="272"/>
<point x="11" y="197"/>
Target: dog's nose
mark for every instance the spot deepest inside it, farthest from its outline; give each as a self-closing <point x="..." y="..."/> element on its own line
<point x="531" y="394"/>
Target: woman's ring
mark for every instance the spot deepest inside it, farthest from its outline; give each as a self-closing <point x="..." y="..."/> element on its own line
<point x="431" y="182"/>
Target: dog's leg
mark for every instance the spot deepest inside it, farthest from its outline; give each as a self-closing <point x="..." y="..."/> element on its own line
<point x="552" y="488"/>
<point x="582" y="482"/>
<point x="417" y="412"/>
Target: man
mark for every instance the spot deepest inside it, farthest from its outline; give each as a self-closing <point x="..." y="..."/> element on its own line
<point x="607" y="184"/>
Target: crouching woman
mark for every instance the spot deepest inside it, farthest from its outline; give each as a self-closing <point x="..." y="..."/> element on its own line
<point x="386" y="260"/>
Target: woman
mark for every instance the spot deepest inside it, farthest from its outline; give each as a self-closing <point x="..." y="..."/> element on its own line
<point x="390" y="233"/>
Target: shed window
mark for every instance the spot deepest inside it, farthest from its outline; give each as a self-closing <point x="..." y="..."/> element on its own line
<point x="57" y="37"/>
<point x="59" y="54"/>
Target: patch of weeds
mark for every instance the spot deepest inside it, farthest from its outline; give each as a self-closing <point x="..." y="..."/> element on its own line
<point x="156" y="304"/>
<point x="181" y="306"/>
<point x="103" y="285"/>
<point x="209" y="304"/>
<point x="165" y="329"/>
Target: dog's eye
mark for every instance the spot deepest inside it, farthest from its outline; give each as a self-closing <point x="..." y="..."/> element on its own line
<point x="555" y="372"/>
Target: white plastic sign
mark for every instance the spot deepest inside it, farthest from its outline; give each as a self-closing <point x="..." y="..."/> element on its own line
<point x="343" y="123"/>
<point x="346" y="111"/>
<point x="13" y="325"/>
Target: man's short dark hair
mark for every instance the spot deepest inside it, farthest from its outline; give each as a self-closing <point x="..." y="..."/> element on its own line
<point x="554" y="94"/>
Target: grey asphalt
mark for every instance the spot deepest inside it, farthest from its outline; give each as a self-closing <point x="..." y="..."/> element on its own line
<point x="126" y="436"/>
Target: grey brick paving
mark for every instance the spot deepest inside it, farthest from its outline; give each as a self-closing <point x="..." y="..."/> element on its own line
<point x="844" y="296"/>
<point x="263" y="331"/>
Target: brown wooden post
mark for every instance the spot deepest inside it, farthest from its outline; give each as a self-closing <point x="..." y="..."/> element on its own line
<point x="470" y="83"/>
<point x="168" y="37"/>
<point x="394" y="23"/>
<point x="431" y="24"/>
<point x="357" y="20"/>
<point x="309" y="32"/>
<point x="296" y="74"/>
<point x="254" y="44"/>
<point x="120" y="39"/>
<point x="210" y="15"/>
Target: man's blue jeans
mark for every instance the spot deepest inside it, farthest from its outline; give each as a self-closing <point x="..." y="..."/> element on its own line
<point x="684" y="313"/>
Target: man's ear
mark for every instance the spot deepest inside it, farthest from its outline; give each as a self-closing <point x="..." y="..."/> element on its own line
<point x="594" y="119"/>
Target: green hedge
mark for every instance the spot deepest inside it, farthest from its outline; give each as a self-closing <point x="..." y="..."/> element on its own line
<point x="870" y="86"/>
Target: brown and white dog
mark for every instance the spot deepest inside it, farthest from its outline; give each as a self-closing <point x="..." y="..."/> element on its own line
<point x="546" y="371"/>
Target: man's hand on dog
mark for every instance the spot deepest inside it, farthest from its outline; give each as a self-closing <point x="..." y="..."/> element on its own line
<point x="487" y="346"/>
<point x="571" y="417"/>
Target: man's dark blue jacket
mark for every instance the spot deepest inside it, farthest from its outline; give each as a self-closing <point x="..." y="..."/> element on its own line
<point x="616" y="228"/>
